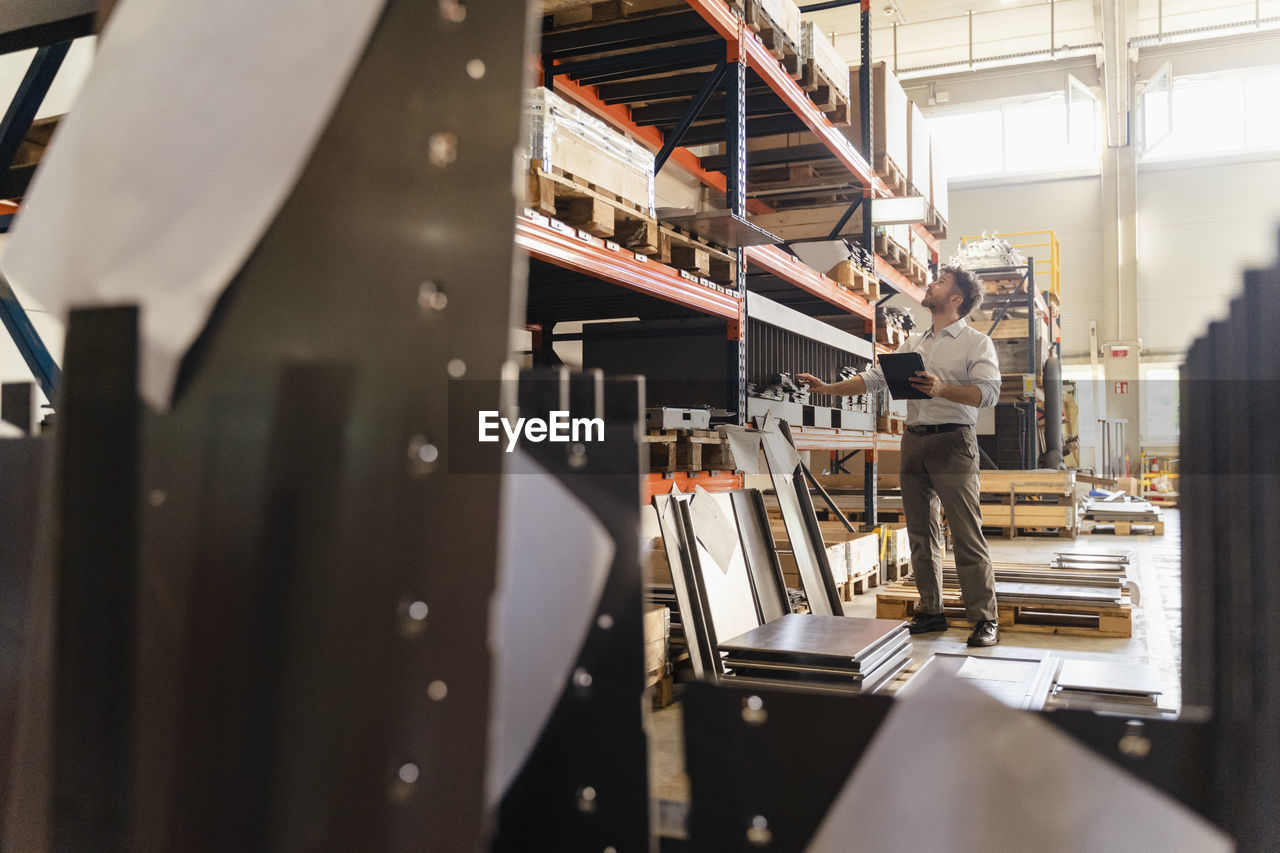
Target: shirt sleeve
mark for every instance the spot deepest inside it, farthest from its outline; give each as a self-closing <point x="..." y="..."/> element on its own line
<point x="984" y="370"/>
<point x="874" y="377"/>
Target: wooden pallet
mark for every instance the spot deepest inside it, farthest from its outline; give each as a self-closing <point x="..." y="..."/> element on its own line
<point x="675" y="450"/>
<point x="1010" y="532"/>
<point x="1122" y="528"/>
<point x="854" y="278"/>
<point x="894" y="254"/>
<point x="899" y="601"/>
<point x="825" y="96"/>
<point x="780" y="45"/>
<point x="602" y="214"/>
<point x="863" y="581"/>
<point x="934" y="223"/>
<point x="888" y="171"/>
<point x="891" y="336"/>
<point x="891" y="424"/>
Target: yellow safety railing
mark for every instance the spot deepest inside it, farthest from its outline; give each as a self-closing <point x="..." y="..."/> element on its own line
<point x="1050" y="266"/>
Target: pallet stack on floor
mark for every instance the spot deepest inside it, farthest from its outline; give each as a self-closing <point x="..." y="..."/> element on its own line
<point x="1029" y="502"/>
<point x="854" y="557"/>
<point x="1123" y="517"/>
<point x="1067" y="595"/>
<point x="657" y="657"/>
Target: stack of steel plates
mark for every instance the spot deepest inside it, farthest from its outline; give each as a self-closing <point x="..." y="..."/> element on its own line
<point x="1121" y="688"/>
<point x="839" y="652"/>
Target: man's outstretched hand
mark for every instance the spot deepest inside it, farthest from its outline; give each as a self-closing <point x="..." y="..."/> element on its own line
<point x="815" y="384"/>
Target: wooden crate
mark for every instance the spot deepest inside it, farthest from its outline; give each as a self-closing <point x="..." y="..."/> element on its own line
<point x="900" y="601"/>
<point x="1034" y="514"/>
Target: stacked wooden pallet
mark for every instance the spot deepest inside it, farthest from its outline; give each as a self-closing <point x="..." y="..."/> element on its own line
<point x="1052" y="616"/>
<point x="1016" y="502"/>
<point x="672" y="450"/>
<point x="854" y="557"/>
<point x="1122" y="518"/>
<point x="778" y="25"/>
<point x="657" y="658"/>
<point x="852" y="277"/>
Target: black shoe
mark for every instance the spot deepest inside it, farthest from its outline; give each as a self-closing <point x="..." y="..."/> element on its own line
<point x="985" y="633"/>
<point x="924" y="623"/>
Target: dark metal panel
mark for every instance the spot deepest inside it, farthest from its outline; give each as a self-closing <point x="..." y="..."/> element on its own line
<point x="95" y="568"/>
<point x="364" y="504"/>
<point x="34" y="23"/>
<point x="621" y="35"/>
<point x="22" y="467"/>
<point x="584" y="785"/>
<point x="739" y="742"/>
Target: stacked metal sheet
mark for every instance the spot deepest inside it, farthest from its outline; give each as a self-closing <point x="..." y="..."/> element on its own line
<point x="1133" y="510"/>
<point x="985" y="253"/>
<point x="1132" y="689"/>
<point x="838" y="652"/>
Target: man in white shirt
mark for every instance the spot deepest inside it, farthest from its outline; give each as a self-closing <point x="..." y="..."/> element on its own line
<point x="940" y="452"/>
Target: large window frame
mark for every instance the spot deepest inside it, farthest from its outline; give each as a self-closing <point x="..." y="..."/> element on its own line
<point x="1077" y="149"/>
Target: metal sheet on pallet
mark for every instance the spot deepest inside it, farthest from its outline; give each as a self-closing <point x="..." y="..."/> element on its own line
<point x="832" y="638"/>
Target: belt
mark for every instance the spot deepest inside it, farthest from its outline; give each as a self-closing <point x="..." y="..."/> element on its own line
<point x="931" y="429"/>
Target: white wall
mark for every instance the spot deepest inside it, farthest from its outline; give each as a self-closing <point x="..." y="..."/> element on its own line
<point x="1070" y="206"/>
<point x="1200" y="224"/>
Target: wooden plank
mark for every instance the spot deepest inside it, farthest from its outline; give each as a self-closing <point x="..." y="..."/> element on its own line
<point x="1027" y="482"/>
<point x="1029" y="515"/>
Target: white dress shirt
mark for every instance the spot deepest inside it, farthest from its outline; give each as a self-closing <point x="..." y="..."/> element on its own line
<point x="959" y="356"/>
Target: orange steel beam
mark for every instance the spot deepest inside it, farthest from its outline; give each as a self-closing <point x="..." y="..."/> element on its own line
<point x="777" y="262"/>
<point x="568" y="248"/>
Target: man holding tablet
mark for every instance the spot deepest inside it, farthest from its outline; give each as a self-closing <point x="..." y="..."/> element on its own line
<point x="940" y="450"/>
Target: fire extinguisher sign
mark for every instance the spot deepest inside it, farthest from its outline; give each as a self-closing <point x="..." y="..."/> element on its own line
<point x="1120" y="388"/>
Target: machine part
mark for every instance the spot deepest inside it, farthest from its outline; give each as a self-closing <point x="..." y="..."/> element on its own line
<point x="1052" y="456"/>
<point x="594" y="736"/>
<point x="297" y="491"/>
<point x="665" y="417"/>
<point x="761" y="553"/>
<point x="801" y="523"/>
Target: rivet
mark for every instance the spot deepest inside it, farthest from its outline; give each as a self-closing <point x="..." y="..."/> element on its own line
<point x="403" y="778"/>
<point x="604" y="621"/>
<point x="586" y="799"/>
<point x="454" y="11"/>
<point x="581" y="678"/>
<point x="457" y="368"/>
<point x="753" y="712"/>
<point x="1134" y="743"/>
<point x="475" y="69"/>
<point x="413" y="615"/>
<point x="442" y="148"/>
<point x="578" y="456"/>
<point x="431" y="298"/>
<point x="157" y="497"/>
<point x="437" y="690"/>
<point x="422" y="456"/>
<point x="758" y="833"/>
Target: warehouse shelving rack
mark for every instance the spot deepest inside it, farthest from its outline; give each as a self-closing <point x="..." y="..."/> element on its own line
<point x="609" y="67"/>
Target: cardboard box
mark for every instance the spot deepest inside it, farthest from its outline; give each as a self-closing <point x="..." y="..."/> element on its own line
<point x="888" y="116"/>
<point x="918" y="157"/>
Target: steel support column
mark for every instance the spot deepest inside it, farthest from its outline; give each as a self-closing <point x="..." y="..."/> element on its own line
<point x="736" y="201"/>
<point x="864" y="119"/>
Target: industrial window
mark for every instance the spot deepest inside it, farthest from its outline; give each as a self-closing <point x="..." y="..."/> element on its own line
<point x="1159" y="402"/>
<point x="1037" y="135"/>
<point x="1205" y="116"/>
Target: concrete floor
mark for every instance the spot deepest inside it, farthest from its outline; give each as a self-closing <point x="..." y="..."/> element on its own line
<point x="1156" y="636"/>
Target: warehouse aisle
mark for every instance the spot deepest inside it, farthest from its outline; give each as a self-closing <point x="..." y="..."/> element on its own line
<point x="1156" y="639"/>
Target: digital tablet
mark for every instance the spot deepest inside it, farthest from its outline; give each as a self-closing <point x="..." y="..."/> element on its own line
<point x="899" y="368"/>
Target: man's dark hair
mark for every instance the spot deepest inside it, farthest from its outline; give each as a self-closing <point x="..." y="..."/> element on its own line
<point x="967" y="285"/>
